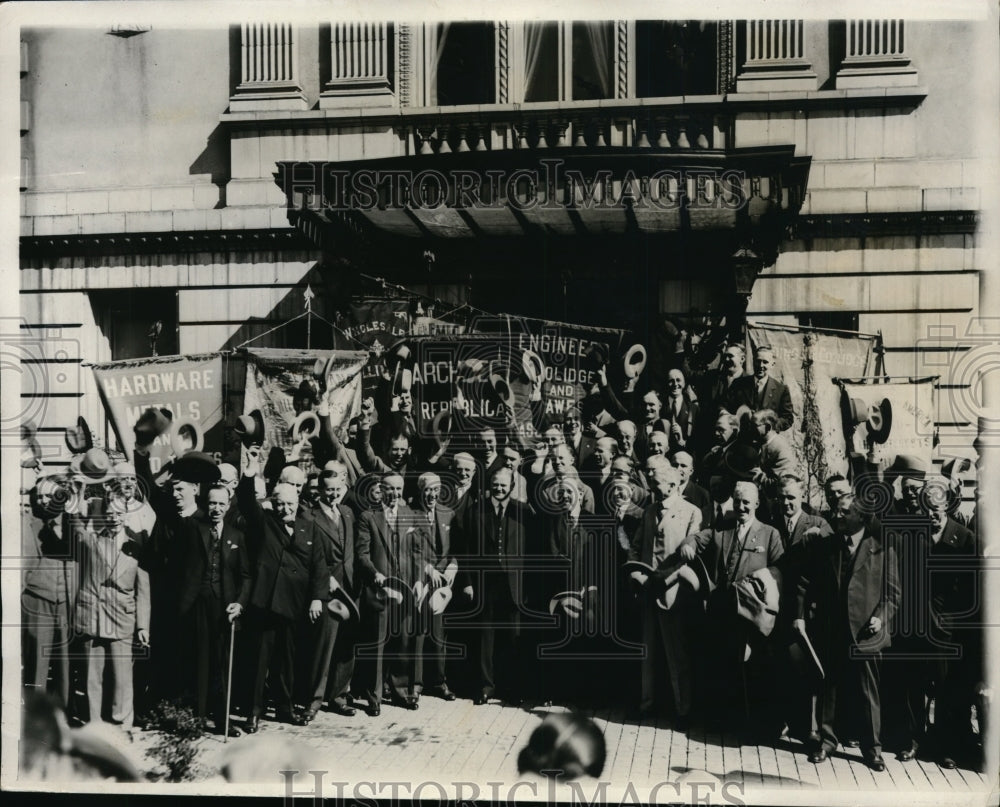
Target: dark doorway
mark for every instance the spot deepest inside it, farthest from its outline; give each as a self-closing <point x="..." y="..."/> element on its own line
<point x="675" y="58"/>
<point x="465" y="63"/>
<point x="129" y="317"/>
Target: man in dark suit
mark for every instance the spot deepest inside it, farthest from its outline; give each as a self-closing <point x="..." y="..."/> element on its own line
<point x="713" y="393"/>
<point x="441" y="570"/>
<point x="680" y="413"/>
<point x="331" y="641"/>
<point x="742" y="547"/>
<point x="393" y="541"/>
<point x="666" y="634"/>
<point x="937" y="558"/>
<point x="760" y="391"/>
<point x="491" y="573"/>
<point x="214" y="578"/>
<point x="690" y="490"/>
<point x="849" y="590"/>
<point x="291" y="581"/>
<point x="627" y="517"/>
<point x="956" y="603"/>
<point x="797" y="529"/>
<point x="579" y="443"/>
<point x="596" y="474"/>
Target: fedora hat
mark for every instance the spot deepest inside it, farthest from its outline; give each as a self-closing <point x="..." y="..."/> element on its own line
<point x="79" y="438"/>
<point x="186" y="436"/>
<point x="433" y="599"/>
<point x="250" y="428"/>
<point x="856" y="410"/>
<point x="908" y="465"/>
<point x="95" y="466"/>
<point x="306" y="425"/>
<point x="395" y="591"/>
<point x="740" y="459"/>
<point x="195" y="466"/>
<point x="803" y="657"/>
<point x="757" y="597"/>
<point x="880" y="421"/>
<point x="635" y="361"/>
<point x="532" y="366"/>
<point x="953" y="467"/>
<point x="570" y="601"/>
<point x="342" y="605"/>
<point x="151" y="424"/>
<point x="501" y="388"/>
<point x="441" y="426"/>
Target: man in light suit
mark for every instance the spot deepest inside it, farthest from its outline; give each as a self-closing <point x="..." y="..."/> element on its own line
<point x="331" y="642"/>
<point x="392" y="541"/>
<point x="666" y="634"/>
<point x="760" y="391"/>
<point x="50" y="586"/>
<point x="849" y="590"/>
<point x="441" y="569"/>
<point x="691" y="490"/>
<point x="777" y="458"/>
<point x="112" y="609"/>
<point x="739" y="549"/>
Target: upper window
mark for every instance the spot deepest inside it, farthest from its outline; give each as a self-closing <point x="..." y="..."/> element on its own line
<point x="465" y="62"/>
<point x="675" y="58"/>
<point x="569" y="61"/>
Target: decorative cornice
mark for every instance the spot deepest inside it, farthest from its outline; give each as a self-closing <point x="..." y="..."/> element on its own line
<point x="176" y="241"/>
<point x="861" y="225"/>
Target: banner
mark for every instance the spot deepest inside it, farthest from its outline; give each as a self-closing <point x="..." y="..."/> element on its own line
<point x="274" y="378"/>
<point x="912" y="429"/>
<point x="563" y="349"/>
<point x="190" y="387"/>
<point x="806" y="361"/>
<point x="376" y="323"/>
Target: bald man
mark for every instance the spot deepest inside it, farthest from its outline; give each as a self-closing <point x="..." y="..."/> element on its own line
<point x="291" y="583"/>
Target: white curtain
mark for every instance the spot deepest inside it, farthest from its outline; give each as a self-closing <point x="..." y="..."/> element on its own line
<point x="534" y="35"/>
<point x="440" y="34"/>
<point x="599" y="37"/>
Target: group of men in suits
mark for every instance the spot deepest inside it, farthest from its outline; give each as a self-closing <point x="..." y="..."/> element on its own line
<point x="663" y="555"/>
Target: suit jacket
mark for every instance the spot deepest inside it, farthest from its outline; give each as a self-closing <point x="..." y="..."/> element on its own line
<point x="701" y="499"/>
<point x="50" y="566"/>
<point x="727" y="563"/>
<point x="687" y="419"/>
<point x="583" y="452"/>
<point x="581" y="556"/>
<point x="713" y="392"/>
<point x="443" y="537"/>
<point x="777" y="458"/>
<point x="291" y="569"/>
<point x="492" y="546"/>
<point x="956" y="594"/>
<point x="743" y="392"/>
<point x="871" y="588"/>
<point x="234" y="571"/>
<point x="113" y="598"/>
<point x="337" y="541"/>
<point x="683" y="520"/>
<point x="376" y="551"/>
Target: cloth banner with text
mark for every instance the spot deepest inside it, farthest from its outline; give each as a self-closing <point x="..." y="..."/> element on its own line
<point x="375" y="324"/>
<point x="806" y="361"/>
<point x="274" y="377"/>
<point x="563" y="348"/>
<point x="912" y="429"/>
<point x="190" y="387"/>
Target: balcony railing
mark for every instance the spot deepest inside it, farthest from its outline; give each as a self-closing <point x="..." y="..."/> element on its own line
<point x="503" y="127"/>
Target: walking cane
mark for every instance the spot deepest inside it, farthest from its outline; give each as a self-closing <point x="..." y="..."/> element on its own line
<point x="229" y="677"/>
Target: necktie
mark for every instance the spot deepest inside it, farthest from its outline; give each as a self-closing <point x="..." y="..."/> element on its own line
<point x="718" y="514"/>
<point x="789" y="525"/>
<point x="846" y="558"/>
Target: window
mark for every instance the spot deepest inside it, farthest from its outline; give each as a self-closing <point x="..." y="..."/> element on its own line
<point x="569" y="61"/>
<point x="675" y="58"/>
<point x="465" y="61"/>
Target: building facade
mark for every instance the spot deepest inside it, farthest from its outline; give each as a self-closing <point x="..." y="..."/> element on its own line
<point x="181" y="188"/>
